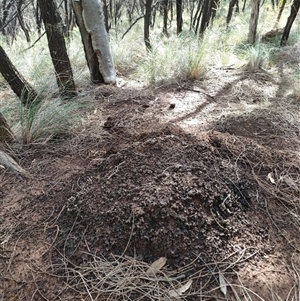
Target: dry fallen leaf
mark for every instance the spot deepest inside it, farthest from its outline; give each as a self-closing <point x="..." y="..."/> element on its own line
<point x="156" y="266"/>
<point x="181" y="290"/>
<point x="270" y="177"/>
<point x="223" y="285"/>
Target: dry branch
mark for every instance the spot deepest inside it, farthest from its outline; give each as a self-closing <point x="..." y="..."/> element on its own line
<point x="11" y="164"/>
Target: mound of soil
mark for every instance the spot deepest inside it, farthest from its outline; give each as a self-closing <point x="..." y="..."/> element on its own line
<point x="165" y="194"/>
<point x="134" y="183"/>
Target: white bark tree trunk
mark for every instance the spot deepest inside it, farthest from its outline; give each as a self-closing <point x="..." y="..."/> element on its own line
<point x="90" y="55"/>
<point x="94" y="22"/>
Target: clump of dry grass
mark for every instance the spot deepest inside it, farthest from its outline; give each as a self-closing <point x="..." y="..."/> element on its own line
<point x="43" y="121"/>
<point x="126" y="278"/>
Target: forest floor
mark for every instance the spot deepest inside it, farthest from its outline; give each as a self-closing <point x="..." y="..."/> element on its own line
<point x="205" y="174"/>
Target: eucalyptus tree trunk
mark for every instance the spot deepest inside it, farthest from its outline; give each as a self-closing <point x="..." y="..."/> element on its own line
<point x="165" y="16"/>
<point x="290" y="21"/>
<point x="152" y="23"/>
<point x="191" y="9"/>
<point x="281" y="8"/>
<point x="197" y="16"/>
<point x="208" y="10"/>
<point x="57" y="48"/>
<point x="21" y="20"/>
<point x="253" y="21"/>
<point x="90" y="55"/>
<point x="179" y="16"/>
<point x="6" y="134"/>
<point x="95" y="40"/>
<point x="206" y="13"/>
<point x="232" y="4"/>
<point x="15" y="80"/>
<point x="106" y="16"/>
<point x="147" y="20"/>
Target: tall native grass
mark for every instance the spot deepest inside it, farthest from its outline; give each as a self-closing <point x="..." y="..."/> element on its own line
<point x="46" y="120"/>
<point x="189" y="56"/>
<point x="174" y="59"/>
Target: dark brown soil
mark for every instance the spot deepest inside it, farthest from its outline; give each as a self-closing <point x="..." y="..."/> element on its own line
<point x="175" y="171"/>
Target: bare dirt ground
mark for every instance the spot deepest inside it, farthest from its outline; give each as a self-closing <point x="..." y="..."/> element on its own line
<point x="203" y="173"/>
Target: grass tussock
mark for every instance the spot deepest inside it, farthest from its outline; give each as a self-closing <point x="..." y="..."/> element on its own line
<point x="46" y="120"/>
<point x="173" y="59"/>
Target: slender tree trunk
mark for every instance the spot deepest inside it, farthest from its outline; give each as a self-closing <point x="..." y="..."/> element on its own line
<point x="38" y="19"/>
<point x="16" y="81"/>
<point x="147" y="20"/>
<point x="209" y="10"/>
<point x="197" y="16"/>
<point x="21" y="21"/>
<point x="290" y="21"/>
<point x="191" y="8"/>
<point x="152" y="24"/>
<point x="111" y="7"/>
<point x="130" y="6"/>
<point x="179" y="16"/>
<point x="244" y="6"/>
<point x="253" y="21"/>
<point x="57" y="47"/>
<point x="67" y="21"/>
<point x="171" y="11"/>
<point x="5" y="131"/>
<point x="281" y="8"/>
<point x="165" y="17"/>
<point x="105" y="11"/>
<point x="206" y="12"/>
<point x="90" y="55"/>
<point x="232" y="4"/>
<point x="237" y="8"/>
